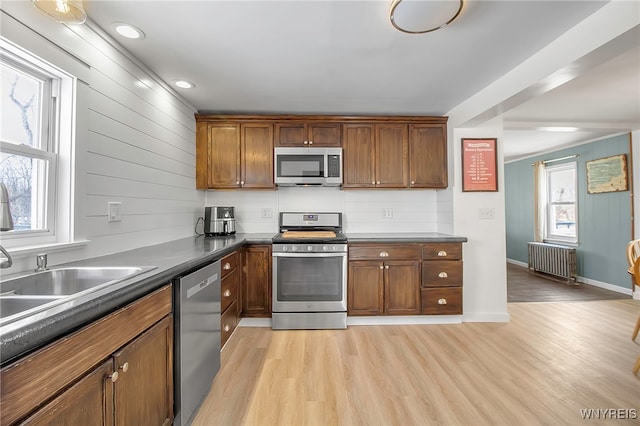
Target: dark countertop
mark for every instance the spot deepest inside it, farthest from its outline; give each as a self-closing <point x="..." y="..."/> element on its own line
<point x="170" y="259"/>
<point x="402" y="237"/>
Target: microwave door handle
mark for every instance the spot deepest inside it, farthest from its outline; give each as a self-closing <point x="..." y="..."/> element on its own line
<point x="326" y="166"/>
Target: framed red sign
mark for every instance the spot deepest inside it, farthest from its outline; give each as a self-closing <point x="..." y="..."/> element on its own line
<point x="479" y="165"/>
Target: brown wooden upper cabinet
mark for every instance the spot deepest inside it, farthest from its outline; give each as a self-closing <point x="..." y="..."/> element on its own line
<point x="395" y="155"/>
<point x="428" y="155"/>
<point x="308" y="134"/>
<point x="234" y="155"/>
<point x="375" y="156"/>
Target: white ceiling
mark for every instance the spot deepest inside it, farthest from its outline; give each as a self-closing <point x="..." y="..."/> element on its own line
<point x="344" y="57"/>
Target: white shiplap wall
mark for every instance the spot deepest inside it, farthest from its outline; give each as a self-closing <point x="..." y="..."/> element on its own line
<point x="135" y="139"/>
<point x="413" y="210"/>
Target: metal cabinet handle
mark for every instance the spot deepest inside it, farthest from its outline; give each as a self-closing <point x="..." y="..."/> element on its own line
<point x="241" y="182"/>
<point x="310" y="142"/>
<point x="373" y="182"/>
<point x="443" y="275"/>
<point x="442" y="301"/>
<point x="226" y="327"/>
<point x="386" y="266"/>
<point x="124" y="367"/>
<point x="237" y="182"/>
<point x="384" y="254"/>
<point x="442" y="253"/>
<point x="413" y="182"/>
<point x="227" y="293"/>
<point x="378" y="183"/>
<point x="113" y="376"/>
<point x="306" y="142"/>
<point x="226" y="266"/>
<point x="381" y="266"/>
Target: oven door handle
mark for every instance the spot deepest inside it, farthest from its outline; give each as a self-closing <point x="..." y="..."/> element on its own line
<point x="308" y="254"/>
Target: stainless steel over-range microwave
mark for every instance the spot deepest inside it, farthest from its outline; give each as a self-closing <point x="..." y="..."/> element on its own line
<point x="308" y="166"/>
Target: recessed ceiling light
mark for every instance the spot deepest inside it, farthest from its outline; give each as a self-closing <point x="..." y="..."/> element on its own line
<point x="558" y="129"/>
<point x="183" y="84"/>
<point x="128" y="31"/>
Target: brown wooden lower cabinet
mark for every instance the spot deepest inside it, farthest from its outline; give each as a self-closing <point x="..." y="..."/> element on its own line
<point x="118" y="369"/>
<point x="404" y="279"/>
<point x="230" y="298"/>
<point x="256" y="281"/>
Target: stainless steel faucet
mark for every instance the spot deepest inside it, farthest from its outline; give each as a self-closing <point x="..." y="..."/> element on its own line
<point x="41" y="262"/>
<point x="7" y="263"/>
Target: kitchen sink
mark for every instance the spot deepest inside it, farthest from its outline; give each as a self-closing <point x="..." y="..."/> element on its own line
<point x="66" y="281"/>
<point x="25" y="294"/>
<point x="11" y="305"/>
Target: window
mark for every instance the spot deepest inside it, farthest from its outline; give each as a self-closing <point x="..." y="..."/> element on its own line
<point x="561" y="218"/>
<point x="33" y="142"/>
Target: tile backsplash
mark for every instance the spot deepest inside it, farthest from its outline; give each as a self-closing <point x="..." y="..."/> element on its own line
<point x="363" y="211"/>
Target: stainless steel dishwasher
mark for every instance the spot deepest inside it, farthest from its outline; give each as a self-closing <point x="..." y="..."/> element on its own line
<point x="196" y="339"/>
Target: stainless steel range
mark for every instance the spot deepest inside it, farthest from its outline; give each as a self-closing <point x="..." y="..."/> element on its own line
<point x="309" y="272"/>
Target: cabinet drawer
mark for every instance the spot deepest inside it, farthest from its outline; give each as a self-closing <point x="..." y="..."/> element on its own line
<point x="229" y="263"/>
<point x="228" y="322"/>
<point x="384" y="252"/>
<point x="229" y="288"/>
<point x="442" y="301"/>
<point x="442" y="273"/>
<point x="442" y="251"/>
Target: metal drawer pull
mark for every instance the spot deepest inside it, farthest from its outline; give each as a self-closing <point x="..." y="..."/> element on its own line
<point x="384" y="254"/>
<point x="442" y="301"/>
<point x="443" y="275"/>
<point x="114" y="376"/>
<point x="442" y="253"/>
<point x="226" y="266"/>
<point x="381" y="266"/>
<point x="386" y="266"/>
<point x="227" y="293"/>
<point x="227" y="327"/>
<point x="124" y="367"/>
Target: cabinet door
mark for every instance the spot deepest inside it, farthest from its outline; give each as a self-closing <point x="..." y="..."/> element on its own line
<point x="257" y="156"/>
<point x="428" y="155"/>
<point x="358" y="156"/>
<point x="365" y="288"/>
<point x="88" y="402"/>
<point x="324" y="134"/>
<point x="402" y="287"/>
<point x="392" y="152"/>
<point x="256" y="281"/>
<point x="144" y="389"/>
<point x="224" y="156"/>
<point x="291" y="134"/>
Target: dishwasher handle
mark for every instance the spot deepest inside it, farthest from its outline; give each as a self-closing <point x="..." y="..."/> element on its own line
<point x="193" y="290"/>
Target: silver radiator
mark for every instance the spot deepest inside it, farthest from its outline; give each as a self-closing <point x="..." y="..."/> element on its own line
<point x="553" y="259"/>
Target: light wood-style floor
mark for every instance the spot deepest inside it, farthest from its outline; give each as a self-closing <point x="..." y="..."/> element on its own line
<point x="543" y="367"/>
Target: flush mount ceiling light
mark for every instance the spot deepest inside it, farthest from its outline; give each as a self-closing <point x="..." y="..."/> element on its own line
<point x="423" y="16"/>
<point x="127" y="30"/>
<point x="183" y="84"/>
<point x="64" y="11"/>
<point x="558" y="129"/>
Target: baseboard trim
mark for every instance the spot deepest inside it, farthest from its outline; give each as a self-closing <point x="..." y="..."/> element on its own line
<point x="486" y="317"/>
<point x="518" y="263"/>
<point x="606" y="286"/>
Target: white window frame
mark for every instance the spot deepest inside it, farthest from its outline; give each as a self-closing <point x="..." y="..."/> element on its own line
<point x="550" y="236"/>
<point x="57" y="141"/>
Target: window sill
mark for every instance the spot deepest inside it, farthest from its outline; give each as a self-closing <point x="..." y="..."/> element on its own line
<point x="22" y="252"/>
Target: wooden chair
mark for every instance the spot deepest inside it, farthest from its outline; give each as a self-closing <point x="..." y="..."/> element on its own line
<point x="634" y="335"/>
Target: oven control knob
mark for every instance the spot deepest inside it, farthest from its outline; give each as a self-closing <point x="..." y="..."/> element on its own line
<point x="326" y="248"/>
<point x="294" y="248"/>
<point x="284" y="248"/>
<point x="309" y="248"/>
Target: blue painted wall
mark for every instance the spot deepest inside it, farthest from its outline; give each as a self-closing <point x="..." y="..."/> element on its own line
<point x="604" y="220"/>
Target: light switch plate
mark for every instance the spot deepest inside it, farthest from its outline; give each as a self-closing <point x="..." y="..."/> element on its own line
<point x="114" y="211"/>
<point x="267" y="213"/>
<point x="487" y="213"/>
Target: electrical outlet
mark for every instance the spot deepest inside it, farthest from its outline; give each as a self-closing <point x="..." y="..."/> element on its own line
<point x="267" y="213"/>
<point x="387" y="213"/>
<point x="114" y="211"/>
